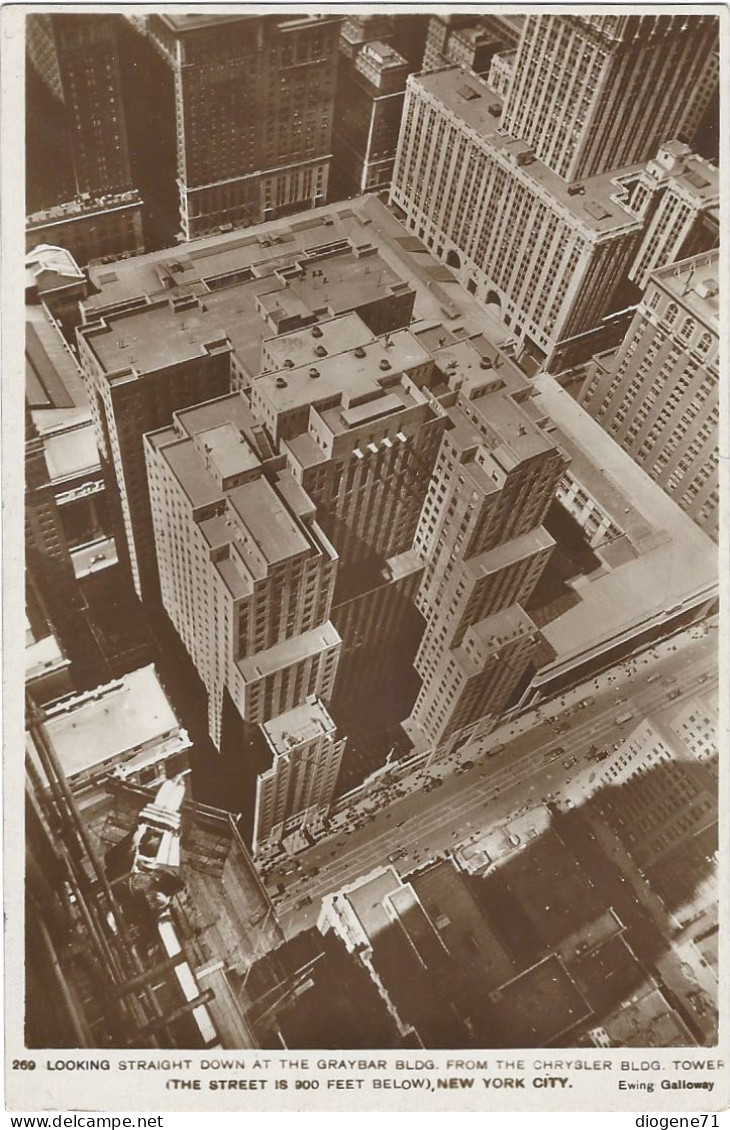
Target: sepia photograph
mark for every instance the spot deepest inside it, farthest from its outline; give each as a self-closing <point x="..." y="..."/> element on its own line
<point x="368" y="446"/>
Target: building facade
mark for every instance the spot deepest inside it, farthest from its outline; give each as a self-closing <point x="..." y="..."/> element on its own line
<point x="253" y="107"/>
<point x="486" y="206"/>
<point x="677" y="195"/>
<point x="594" y="93"/>
<point x="246" y="574"/>
<point x="523" y="188"/>
<point x="481" y="541"/>
<point x="658" y="396"/>
<point x="294" y="796"/>
<point x="90" y="203"/>
<point x="371" y="85"/>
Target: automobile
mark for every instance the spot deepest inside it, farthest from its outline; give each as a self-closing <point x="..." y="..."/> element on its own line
<point x="396" y="855"/>
<point x="674" y="694"/>
<point x="705" y="677"/>
<point x="653" y="678"/>
<point x="305" y="900"/>
<point x="569" y="762"/>
<point x="467" y="764"/>
<point x="569" y="803"/>
<point x="400" y="823"/>
<point x="551" y="754"/>
<point x="515" y="839"/>
<point x="602" y="755"/>
<point x="496" y="749"/>
<point x="622" y="719"/>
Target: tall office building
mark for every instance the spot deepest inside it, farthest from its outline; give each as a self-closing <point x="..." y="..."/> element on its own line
<point x="81" y="191"/>
<point x="371" y="83"/>
<point x="594" y="93"/>
<point x="470" y="40"/>
<point x="361" y="436"/>
<point x="252" y="101"/>
<point x="247" y="578"/>
<point x="677" y="196"/>
<point x="658" y="396"/>
<point x="295" y="794"/>
<point x="527" y="194"/>
<point x="129" y="397"/>
<point x="484" y="549"/>
<point x="549" y="257"/>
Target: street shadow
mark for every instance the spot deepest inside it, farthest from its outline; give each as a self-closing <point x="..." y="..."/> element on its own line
<point x="560" y="943"/>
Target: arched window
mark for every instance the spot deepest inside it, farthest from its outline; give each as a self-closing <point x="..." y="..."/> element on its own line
<point x="671" y="313"/>
<point x="704" y="344"/>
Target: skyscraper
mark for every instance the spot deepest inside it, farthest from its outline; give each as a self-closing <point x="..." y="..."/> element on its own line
<point x="135" y="384"/>
<point x="658" y="395"/>
<point x="252" y="113"/>
<point x="548" y="255"/>
<point x="371" y="84"/>
<point x="81" y="193"/>
<point x="247" y="578"/>
<point x="484" y="549"/>
<point x="592" y="93"/>
<point x="678" y="197"/>
<point x="527" y="194"/>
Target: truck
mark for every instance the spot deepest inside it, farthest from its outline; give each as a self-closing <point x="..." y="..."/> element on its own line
<point x="623" y="718"/>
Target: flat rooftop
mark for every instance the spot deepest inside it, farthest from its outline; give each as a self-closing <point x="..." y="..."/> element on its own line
<point x="694" y="282"/>
<point x="304" y="347"/>
<point x="268" y="522"/>
<point x="535" y="1008"/>
<point x="52" y="377"/>
<point x="471" y="100"/>
<point x="367" y="899"/>
<point x="356" y="374"/>
<point x="680" y="561"/>
<point x="150" y="336"/>
<point x="288" y="652"/>
<point x="71" y="453"/>
<point x="115" y="719"/>
<point x="183" y="456"/>
<point x="297" y="726"/>
<point x="81" y="207"/>
<point x="230" y="271"/>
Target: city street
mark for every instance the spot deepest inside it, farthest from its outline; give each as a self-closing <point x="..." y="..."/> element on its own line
<point x="414" y="827"/>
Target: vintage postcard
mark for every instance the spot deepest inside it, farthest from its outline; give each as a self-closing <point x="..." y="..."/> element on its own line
<point x="365" y="735"/>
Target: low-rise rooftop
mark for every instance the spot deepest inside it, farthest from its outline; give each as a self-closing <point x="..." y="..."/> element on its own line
<point x="677" y="562"/>
<point x="113" y="721"/>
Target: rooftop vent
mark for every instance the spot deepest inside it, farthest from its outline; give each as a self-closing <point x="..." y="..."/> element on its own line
<point x="316" y="331"/>
<point x="359" y="352"/>
<point x="708" y="288"/>
<point x="486" y="363"/>
<point x="288" y="363"/>
<point x="321" y="351"/>
<point x="576" y="190"/>
<point x="314" y="373"/>
<point x="385" y="365"/>
<point x="280" y="382"/>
